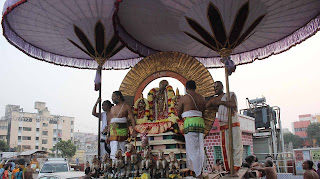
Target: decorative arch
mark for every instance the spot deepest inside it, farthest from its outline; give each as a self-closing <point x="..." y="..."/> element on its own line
<point x="167" y="64"/>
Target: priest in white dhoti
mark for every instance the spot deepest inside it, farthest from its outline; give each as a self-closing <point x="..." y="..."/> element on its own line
<point x="119" y="127"/>
<point x="220" y="101"/>
<point x="190" y="109"/>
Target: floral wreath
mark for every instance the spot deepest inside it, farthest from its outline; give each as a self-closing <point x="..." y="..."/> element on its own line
<point x="146" y="114"/>
<point x="170" y="95"/>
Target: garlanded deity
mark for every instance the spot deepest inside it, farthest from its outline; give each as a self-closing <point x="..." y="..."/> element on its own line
<point x="141" y="110"/>
<point x="160" y="100"/>
<point x="157" y="113"/>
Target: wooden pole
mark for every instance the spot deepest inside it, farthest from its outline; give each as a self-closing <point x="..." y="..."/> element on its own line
<point x="100" y="116"/>
<point x="230" y="125"/>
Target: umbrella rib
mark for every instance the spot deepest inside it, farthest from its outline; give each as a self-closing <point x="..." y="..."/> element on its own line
<point x="60" y="13"/>
<point x="284" y="21"/>
<point x="70" y="10"/>
<point x="87" y="21"/>
<point x="290" y="2"/>
<point x="288" y="15"/>
<point x="40" y="15"/>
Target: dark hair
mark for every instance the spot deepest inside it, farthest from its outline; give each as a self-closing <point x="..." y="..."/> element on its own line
<point x="6" y="167"/>
<point x="310" y="163"/>
<point x="269" y="162"/>
<point x="118" y="93"/>
<point x="107" y="102"/>
<point x="268" y="156"/>
<point x="219" y="82"/>
<point x="318" y="165"/>
<point x="218" y="160"/>
<point x="250" y="159"/>
<point x="191" y="85"/>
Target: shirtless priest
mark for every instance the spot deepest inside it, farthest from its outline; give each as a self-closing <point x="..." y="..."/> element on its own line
<point x="119" y="126"/>
<point x="191" y="108"/>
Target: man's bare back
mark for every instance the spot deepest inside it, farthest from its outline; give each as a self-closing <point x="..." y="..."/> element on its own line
<point x="310" y="174"/>
<point x="186" y="103"/>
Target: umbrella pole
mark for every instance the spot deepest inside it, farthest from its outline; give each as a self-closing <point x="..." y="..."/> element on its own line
<point x="100" y="116"/>
<point x="230" y="126"/>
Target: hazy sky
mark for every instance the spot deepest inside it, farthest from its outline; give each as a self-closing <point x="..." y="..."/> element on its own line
<point x="290" y="80"/>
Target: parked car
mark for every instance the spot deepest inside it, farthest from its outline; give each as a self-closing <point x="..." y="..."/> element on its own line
<point x="58" y="168"/>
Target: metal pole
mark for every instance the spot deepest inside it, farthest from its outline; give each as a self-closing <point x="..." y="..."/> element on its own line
<point x="282" y="141"/>
<point x="230" y="125"/>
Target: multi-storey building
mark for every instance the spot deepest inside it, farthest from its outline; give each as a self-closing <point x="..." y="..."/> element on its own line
<point x="40" y="130"/>
<point x="87" y="146"/>
<point x="300" y="127"/>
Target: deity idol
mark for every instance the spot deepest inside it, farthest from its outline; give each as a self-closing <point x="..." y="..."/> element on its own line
<point x="160" y="101"/>
<point x="141" y="110"/>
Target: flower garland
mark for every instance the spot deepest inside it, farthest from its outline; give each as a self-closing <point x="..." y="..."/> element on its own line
<point x="146" y="114"/>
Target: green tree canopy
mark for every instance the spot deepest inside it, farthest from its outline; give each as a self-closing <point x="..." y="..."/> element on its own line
<point x="313" y="132"/>
<point x="4" y="146"/>
<point x="66" y="148"/>
<point x="296" y="140"/>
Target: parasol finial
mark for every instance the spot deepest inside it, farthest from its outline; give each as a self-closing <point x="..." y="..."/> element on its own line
<point x="100" y="61"/>
<point x="225" y="52"/>
<point x="177" y="92"/>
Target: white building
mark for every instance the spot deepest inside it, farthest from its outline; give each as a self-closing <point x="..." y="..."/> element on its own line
<point x="29" y="131"/>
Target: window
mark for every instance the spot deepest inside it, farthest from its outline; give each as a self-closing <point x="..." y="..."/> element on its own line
<point x="27" y="119"/>
<point x="37" y="147"/>
<point x="19" y="137"/>
<point x="26" y="147"/>
<point x="37" y="129"/>
<point x="26" y="138"/>
<point x="44" y="132"/>
<point x="54" y="139"/>
<point x="71" y="122"/>
<point x="217" y="153"/>
<point x="3" y="127"/>
<point x="44" y="141"/>
<point x="43" y="148"/>
<point x="27" y="129"/>
<point x="20" y="129"/>
<point x="44" y="124"/>
<point x="37" y="138"/>
<point x="53" y="122"/>
<point x="71" y="130"/>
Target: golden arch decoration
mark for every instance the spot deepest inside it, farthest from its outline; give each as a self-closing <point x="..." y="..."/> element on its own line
<point x="178" y="65"/>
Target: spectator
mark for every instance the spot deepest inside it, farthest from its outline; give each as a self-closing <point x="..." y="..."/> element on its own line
<point x="28" y="173"/>
<point x="5" y="174"/>
<point x="19" y="174"/>
<point x="269" y="169"/>
<point x="15" y="170"/>
<point x="2" y="170"/>
<point x="218" y="166"/>
<point x="250" y="161"/>
<point x="309" y="173"/>
<point x="87" y="170"/>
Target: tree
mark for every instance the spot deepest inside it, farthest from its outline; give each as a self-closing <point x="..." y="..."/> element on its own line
<point x="66" y="148"/>
<point x="296" y="140"/>
<point x="4" y="146"/>
<point x="313" y="133"/>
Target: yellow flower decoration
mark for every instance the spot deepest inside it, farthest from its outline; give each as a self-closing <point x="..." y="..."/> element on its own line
<point x="145" y="176"/>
